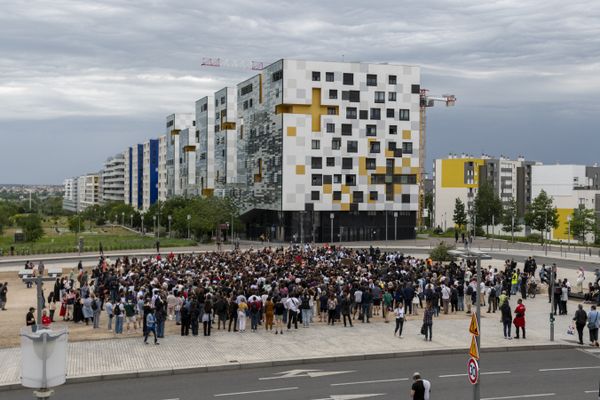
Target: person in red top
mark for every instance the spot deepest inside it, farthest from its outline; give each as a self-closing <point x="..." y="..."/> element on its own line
<point x="519" y="320"/>
<point x="46" y="321"/>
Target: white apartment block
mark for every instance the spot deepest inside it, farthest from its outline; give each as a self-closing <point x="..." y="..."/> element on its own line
<point x="187" y="165"/>
<point x="205" y="131"/>
<point x="162" y="168"/>
<point x="127" y="175"/>
<point x="88" y="191"/>
<point x="137" y="176"/>
<point x="175" y="124"/>
<point x="113" y="180"/>
<point x="70" y="202"/>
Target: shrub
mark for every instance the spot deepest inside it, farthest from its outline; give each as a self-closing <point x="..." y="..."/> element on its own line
<point x="440" y="252"/>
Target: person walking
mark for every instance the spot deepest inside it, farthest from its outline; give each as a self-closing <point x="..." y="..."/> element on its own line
<point x="428" y="321"/>
<point x="3" y="294"/>
<point x="150" y="327"/>
<point x="580" y="319"/>
<point x="420" y="389"/>
<point x="593" y="325"/>
<point x="399" y="314"/>
<point x="506" y="318"/>
<point x="519" y="320"/>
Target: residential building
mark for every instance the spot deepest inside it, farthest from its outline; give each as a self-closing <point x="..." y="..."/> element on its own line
<point x="187" y="164"/>
<point x="137" y="176"/>
<point x="205" y="137"/>
<point x="128" y="176"/>
<point x="149" y="173"/>
<point x="162" y="168"/>
<point x="70" y="202"/>
<point x="88" y="191"/>
<point x="175" y="124"/>
<point x="113" y="180"/>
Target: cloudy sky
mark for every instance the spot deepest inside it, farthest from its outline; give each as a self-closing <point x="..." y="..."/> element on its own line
<point x="81" y="80"/>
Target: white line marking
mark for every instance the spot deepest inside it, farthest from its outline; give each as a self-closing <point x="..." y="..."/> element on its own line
<point x="523" y="396"/>
<point x="376" y="381"/>
<point x="591" y="391"/>
<point x="483" y="373"/>
<point x="568" y="369"/>
<point x="257" y="391"/>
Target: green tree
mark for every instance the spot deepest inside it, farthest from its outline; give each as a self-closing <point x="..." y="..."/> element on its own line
<point x="31" y="224"/>
<point x="460" y="215"/>
<point x="511" y="214"/>
<point x="7" y="210"/>
<point x="583" y="222"/>
<point x="488" y="206"/>
<point x="541" y="214"/>
<point x="75" y="223"/>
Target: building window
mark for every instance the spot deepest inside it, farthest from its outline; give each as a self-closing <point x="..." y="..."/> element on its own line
<point x="371" y="163"/>
<point x="316" y="144"/>
<point x="330" y="128"/>
<point x="393" y="130"/>
<point x="379" y="97"/>
<point x="407" y="147"/>
<point x="391" y="96"/>
<point x="316" y="179"/>
<point x="375" y="113"/>
<point x="245" y="104"/>
<point x="373" y="195"/>
<point x="277" y="75"/>
<point x="337" y="195"/>
<point x="392" y="79"/>
<point x="250" y="103"/>
<point x="389" y="113"/>
<point x="404" y="114"/>
<point x="357" y="197"/>
<point x="347" y="129"/>
<point x="406" y="198"/>
<point x="351" y="113"/>
<point x="326" y="179"/>
<point x="415" y="89"/>
<point x="316" y="76"/>
<point x="332" y="94"/>
<point x="364" y="114"/>
<point x="347" y="163"/>
<point x="348" y="79"/>
<point x="371" y="130"/>
<point x="353" y="96"/>
<point x="337" y="178"/>
<point x="246" y="89"/>
<point x="329" y="76"/>
<point x="392" y="146"/>
<point x="350" y="180"/>
<point x="336" y="144"/>
<point x="371" y="80"/>
<point x="331" y="111"/>
<point x="223" y="100"/>
<point x="352" y="146"/>
<point x="314" y="195"/>
<point x="330" y="161"/>
<point x="316" y="162"/>
<point x="374" y="147"/>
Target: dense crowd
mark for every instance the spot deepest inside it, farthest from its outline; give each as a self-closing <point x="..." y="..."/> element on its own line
<point x="292" y="286"/>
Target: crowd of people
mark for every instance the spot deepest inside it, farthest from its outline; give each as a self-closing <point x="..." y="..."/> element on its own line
<point x="278" y="288"/>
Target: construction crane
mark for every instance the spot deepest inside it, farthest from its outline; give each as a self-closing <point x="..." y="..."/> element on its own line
<point x="233" y="64"/>
<point x="426" y="101"/>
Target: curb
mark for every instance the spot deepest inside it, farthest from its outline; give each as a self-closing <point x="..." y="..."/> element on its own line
<point x="280" y="363"/>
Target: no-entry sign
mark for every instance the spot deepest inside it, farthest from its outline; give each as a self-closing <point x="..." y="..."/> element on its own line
<point x="473" y="371"/>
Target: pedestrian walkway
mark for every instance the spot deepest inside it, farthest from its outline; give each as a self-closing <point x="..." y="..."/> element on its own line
<point x="232" y="350"/>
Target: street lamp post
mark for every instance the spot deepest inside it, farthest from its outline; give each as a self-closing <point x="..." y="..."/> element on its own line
<point x="170" y="218"/>
<point x="302" y="227"/>
<point x="131" y="220"/>
<point x="493" y="225"/>
<point x="552" y="281"/>
<point x="512" y="228"/>
<point x="123" y="218"/>
<point x="331" y="216"/>
<point x="143" y="228"/>
<point x="154" y="224"/>
<point x="189" y="218"/>
<point x="395" y="225"/>
<point x="569" y="243"/>
<point x="546" y="233"/>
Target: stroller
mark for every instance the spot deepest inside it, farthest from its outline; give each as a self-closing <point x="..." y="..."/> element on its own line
<point x="532" y="288"/>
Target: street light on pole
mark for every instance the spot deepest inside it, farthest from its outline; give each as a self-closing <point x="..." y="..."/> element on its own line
<point x="123" y="218"/>
<point x="546" y="232"/>
<point x="170" y="218"/>
<point x="569" y="222"/>
<point x="154" y="224"/>
<point x="131" y="220"/>
<point x="386" y="226"/>
<point x="143" y="228"/>
<point x="189" y="218"/>
<point x="512" y="228"/>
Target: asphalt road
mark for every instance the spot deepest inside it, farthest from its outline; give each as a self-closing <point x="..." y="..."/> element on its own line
<point x="568" y="374"/>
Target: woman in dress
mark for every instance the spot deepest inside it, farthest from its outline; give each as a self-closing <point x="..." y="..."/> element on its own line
<point x="519" y="320"/>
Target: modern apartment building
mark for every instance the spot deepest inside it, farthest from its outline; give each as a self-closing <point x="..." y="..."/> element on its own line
<point x="113" y="180"/>
<point x="205" y="137"/>
<point x="88" y="193"/>
<point x="127" y="176"/>
<point x="187" y="164"/>
<point x="162" y="168"/>
<point x="150" y="173"/>
<point x="175" y="124"/>
<point x="137" y="176"/>
<point x="70" y="202"/>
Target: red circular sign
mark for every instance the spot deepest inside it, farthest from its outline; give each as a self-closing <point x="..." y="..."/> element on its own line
<point x="473" y="371"/>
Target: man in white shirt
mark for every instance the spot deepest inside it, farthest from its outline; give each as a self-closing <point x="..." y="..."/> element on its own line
<point x="292" y="307"/>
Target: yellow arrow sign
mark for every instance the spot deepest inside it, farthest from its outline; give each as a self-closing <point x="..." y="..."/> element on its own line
<point x="474" y="327"/>
<point x="473" y="350"/>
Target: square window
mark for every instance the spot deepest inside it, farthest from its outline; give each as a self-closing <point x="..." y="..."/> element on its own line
<point x="354" y="96"/>
<point x="371" y="163"/>
<point x="379" y="97"/>
<point x="330" y="128"/>
<point x="389" y="113"/>
<point x="316" y="144"/>
<point x="351" y="113"/>
<point x="375" y="113"/>
<point x="392" y="79"/>
<point x="404" y="114"/>
<point x="373" y="195"/>
<point x="250" y="103"/>
<point x="348" y="79"/>
<point x="352" y="146"/>
<point x="371" y="80"/>
<point x="346" y="163"/>
<point x="316" y="163"/>
<point x="391" y="96"/>
<point x="392" y="146"/>
<point x="332" y="94"/>
<point x="406" y="198"/>
<point x="351" y="180"/>
<point x="374" y="147"/>
<point x="330" y="161"/>
<point x="314" y="195"/>
<point x="371" y="130"/>
<point x="316" y="179"/>
<point x="415" y="89"/>
<point x="407" y="147"/>
<point x="331" y="111"/>
<point x="337" y="178"/>
<point x="337" y="195"/>
<point x="326" y="179"/>
<point x="316" y="76"/>
<point x="347" y="129"/>
<point x="329" y="76"/>
<point x="393" y="130"/>
<point x="364" y="114"/>
<point x="357" y="197"/>
<point x="336" y="143"/>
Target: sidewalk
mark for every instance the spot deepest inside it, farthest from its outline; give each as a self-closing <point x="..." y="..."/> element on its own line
<point x="101" y="359"/>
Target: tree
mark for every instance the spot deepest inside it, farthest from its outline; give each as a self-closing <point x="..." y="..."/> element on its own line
<point x="511" y="214"/>
<point x="541" y="215"/>
<point x="75" y="222"/>
<point x="460" y="216"/>
<point x="583" y="222"/>
<point x="488" y="206"/>
<point x="31" y="224"/>
<point x="429" y="207"/>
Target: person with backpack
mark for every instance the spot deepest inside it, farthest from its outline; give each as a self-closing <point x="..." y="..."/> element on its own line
<point x="150" y="327"/>
<point x="506" y="312"/>
<point x="119" y="311"/>
<point x="305" y="309"/>
<point x="331" y="306"/>
<point x="255" y="307"/>
<point x="207" y="316"/>
<point x="492" y="299"/>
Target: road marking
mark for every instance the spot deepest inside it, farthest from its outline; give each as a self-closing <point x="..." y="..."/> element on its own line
<point x="376" y="381"/>
<point x="592" y="391"/>
<point x="483" y="373"/>
<point x="523" y="396"/>
<point x="300" y="373"/>
<point x="568" y="369"/>
<point x="350" y="396"/>
<point x="257" y="391"/>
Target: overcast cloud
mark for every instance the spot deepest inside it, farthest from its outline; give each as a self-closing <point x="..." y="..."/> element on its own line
<point x="80" y="80"/>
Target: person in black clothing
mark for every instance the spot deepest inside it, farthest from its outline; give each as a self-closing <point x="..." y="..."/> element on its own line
<point x="419" y="388"/>
<point x="30" y="319"/>
<point x="194" y="316"/>
<point x="207" y="317"/>
<point x="232" y="309"/>
<point x="580" y="320"/>
<point x="367" y="300"/>
<point x="185" y="319"/>
<point x="345" y="306"/>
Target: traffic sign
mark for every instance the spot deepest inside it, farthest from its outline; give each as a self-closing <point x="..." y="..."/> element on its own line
<point x="473" y="371"/>
<point x="474" y="327"/>
<point x="473" y="350"/>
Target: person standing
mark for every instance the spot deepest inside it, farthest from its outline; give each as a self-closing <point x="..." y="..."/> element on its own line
<point x="446" y="292"/>
<point x="46" y="321"/>
<point x="108" y="307"/>
<point x="269" y="313"/>
<point x="331" y="305"/>
<point x="242" y="307"/>
<point x="428" y="321"/>
<point x="207" y="317"/>
<point x="119" y="311"/>
<point x="506" y="318"/>
<point x="580" y="319"/>
<point x="30" y="319"/>
<point x="421" y="388"/>
<point x="279" y="313"/>
<point x="232" y="310"/>
<point x="519" y="320"/>
<point x="345" y="308"/>
<point x="3" y="293"/>
<point x="593" y="325"/>
<point x="399" y="314"/>
<point x="96" y="308"/>
<point x="150" y="327"/>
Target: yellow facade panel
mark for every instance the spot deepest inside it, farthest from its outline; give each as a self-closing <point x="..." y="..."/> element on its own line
<point x="345" y="189"/>
<point x="362" y="166"/>
<point x="345" y="206"/>
<point x="291" y="131"/>
<point x="406" y="162"/>
<point x="300" y="169"/>
<point x="562" y="232"/>
<point x="453" y="172"/>
<point x="406" y="134"/>
<point x="327" y="189"/>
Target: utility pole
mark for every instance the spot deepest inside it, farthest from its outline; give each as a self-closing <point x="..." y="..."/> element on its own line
<point x="512" y="228"/>
<point x="546" y="234"/>
<point x="552" y="279"/>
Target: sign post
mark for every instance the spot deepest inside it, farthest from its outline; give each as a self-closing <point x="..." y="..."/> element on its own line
<point x="473" y="371"/>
